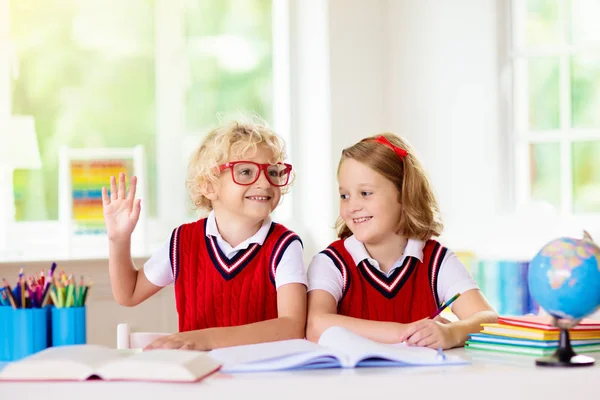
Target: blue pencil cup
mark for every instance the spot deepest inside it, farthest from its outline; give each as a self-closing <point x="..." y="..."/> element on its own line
<point x="68" y="326"/>
<point x="22" y="332"/>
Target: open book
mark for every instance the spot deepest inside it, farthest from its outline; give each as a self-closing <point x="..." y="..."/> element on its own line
<point x="91" y="361"/>
<point x="337" y="348"/>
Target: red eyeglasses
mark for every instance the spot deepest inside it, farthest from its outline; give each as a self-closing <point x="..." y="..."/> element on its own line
<point x="247" y="172"/>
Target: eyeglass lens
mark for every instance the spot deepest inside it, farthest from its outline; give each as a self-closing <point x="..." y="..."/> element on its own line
<point x="246" y="173"/>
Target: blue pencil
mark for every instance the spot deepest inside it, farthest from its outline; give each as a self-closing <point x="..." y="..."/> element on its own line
<point x="446" y="304"/>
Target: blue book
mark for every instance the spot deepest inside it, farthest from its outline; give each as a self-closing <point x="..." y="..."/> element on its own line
<point x="514" y="291"/>
<point x="484" y="338"/>
<point x="337" y="348"/>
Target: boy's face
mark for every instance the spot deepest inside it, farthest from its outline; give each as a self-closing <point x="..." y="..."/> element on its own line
<point x="368" y="202"/>
<point x="254" y="202"/>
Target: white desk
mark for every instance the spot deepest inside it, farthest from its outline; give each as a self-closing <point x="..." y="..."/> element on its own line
<point x="506" y="378"/>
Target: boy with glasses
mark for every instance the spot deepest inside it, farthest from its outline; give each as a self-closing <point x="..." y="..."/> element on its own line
<point x="239" y="277"/>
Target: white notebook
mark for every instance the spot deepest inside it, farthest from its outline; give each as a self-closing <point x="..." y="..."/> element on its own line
<point x="337" y="348"/>
<point x="84" y="362"/>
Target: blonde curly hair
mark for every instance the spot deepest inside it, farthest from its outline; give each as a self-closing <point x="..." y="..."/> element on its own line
<point x="420" y="215"/>
<point x="228" y="141"/>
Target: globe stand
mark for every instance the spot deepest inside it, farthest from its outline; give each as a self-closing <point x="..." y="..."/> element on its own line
<point x="564" y="356"/>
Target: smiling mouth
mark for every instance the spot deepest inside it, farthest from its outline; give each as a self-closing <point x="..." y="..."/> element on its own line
<point x="259" y="198"/>
<point x="361" y="220"/>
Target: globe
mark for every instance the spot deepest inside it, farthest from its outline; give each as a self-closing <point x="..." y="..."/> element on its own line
<point x="564" y="277"/>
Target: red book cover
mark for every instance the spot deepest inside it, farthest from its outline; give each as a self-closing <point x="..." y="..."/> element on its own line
<point x="545" y="323"/>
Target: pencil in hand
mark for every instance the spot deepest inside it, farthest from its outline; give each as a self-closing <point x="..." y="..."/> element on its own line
<point x="446" y="304"/>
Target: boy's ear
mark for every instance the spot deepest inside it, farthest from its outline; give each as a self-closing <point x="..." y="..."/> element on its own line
<point x="208" y="190"/>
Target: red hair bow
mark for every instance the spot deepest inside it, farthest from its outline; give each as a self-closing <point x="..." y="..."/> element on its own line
<point x="399" y="151"/>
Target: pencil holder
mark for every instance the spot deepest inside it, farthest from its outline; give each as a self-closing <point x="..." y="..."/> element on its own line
<point x="22" y="332"/>
<point x="68" y="326"/>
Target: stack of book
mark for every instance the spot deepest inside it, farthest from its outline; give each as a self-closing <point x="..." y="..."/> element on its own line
<point x="533" y="335"/>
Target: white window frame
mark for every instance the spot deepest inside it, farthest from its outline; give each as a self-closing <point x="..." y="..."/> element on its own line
<point x="33" y="241"/>
<point x="521" y="137"/>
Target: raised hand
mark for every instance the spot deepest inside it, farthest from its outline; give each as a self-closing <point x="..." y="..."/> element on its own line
<point x="121" y="210"/>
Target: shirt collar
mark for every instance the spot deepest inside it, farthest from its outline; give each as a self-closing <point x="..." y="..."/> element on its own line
<point x="358" y="251"/>
<point x="259" y="237"/>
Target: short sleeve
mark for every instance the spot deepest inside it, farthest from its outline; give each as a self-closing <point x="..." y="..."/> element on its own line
<point x="158" y="268"/>
<point x="324" y="275"/>
<point x="291" y="267"/>
<point x="453" y="278"/>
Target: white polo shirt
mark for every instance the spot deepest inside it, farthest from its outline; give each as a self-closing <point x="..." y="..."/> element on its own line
<point x="290" y="269"/>
<point x="453" y="277"/>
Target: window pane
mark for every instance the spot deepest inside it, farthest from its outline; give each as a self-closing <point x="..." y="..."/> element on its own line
<point x="544" y="102"/>
<point x="87" y="76"/>
<point x="586" y="177"/>
<point x="585" y="95"/>
<point x="545" y="172"/>
<point x="543" y="26"/>
<point x="584" y="21"/>
<point x="229" y="51"/>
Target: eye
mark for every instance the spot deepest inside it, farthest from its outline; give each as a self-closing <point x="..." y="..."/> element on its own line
<point x="365" y="194"/>
<point x="344" y="196"/>
<point x="245" y="172"/>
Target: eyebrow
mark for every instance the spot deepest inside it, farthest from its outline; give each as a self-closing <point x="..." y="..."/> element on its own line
<point x="360" y="186"/>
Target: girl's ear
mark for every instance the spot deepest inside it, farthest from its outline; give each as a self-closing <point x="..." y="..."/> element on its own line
<point x="207" y="189"/>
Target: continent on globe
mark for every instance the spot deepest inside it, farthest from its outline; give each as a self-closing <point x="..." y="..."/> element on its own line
<point x="564" y="277"/>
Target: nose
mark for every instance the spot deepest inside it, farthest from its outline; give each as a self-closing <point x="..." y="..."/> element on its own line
<point x="262" y="181"/>
<point x="355" y="204"/>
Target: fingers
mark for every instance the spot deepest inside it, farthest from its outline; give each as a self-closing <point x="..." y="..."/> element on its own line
<point x="122" y="185"/>
<point x="105" y="199"/>
<point x="113" y="188"/>
<point x="157" y="344"/>
<point x="135" y="212"/>
<point x="132" y="188"/>
<point x="412" y="329"/>
<point x="419" y="335"/>
<point x="427" y="339"/>
<point x="170" y="342"/>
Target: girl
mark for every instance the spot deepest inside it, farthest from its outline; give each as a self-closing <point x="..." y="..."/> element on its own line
<point x="239" y="277"/>
<point x="385" y="275"/>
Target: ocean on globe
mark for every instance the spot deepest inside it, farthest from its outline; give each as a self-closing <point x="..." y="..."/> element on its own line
<point x="564" y="277"/>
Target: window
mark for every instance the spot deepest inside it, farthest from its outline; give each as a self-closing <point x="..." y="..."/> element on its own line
<point x="556" y="93"/>
<point x="230" y="57"/>
<point x="86" y="73"/>
<point x="110" y="73"/>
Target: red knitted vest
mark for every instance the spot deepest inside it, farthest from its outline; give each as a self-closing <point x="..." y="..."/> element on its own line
<point x="407" y="295"/>
<point x="213" y="291"/>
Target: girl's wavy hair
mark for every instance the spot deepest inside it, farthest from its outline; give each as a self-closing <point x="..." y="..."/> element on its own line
<point x="228" y="141"/>
<point x="420" y="216"/>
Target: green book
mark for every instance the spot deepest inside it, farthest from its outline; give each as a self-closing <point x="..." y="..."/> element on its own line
<point x="532" y="351"/>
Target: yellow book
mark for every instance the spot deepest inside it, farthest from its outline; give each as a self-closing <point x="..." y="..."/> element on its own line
<point x="536" y="334"/>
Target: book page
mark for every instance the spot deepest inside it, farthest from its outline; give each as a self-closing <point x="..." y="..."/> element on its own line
<point x="61" y="363"/>
<point x="272" y="356"/>
<point x="161" y="365"/>
<point x="360" y="349"/>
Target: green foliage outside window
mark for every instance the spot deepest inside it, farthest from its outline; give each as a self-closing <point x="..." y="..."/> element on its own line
<point x="87" y="75"/>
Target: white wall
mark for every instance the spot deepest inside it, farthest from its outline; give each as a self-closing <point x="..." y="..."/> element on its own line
<point x="444" y="73"/>
<point x="338" y="63"/>
<point x="424" y="69"/>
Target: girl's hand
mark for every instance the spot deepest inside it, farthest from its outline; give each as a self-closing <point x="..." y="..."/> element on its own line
<point x="121" y="212"/>
<point x="430" y="333"/>
<point x="182" y="341"/>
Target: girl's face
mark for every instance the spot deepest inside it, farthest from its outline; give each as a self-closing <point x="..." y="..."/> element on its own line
<point x="254" y="202"/>
<point x="368" y="202"/>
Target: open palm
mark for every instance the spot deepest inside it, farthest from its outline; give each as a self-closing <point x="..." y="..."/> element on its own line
<point x="121" y="210"/>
